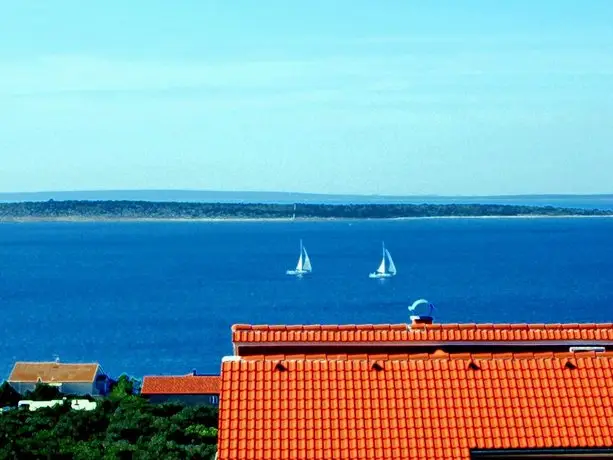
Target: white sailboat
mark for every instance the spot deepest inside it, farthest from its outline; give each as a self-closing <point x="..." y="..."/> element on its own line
<point x="303" y="267"/>
<point x="387" y="268"/>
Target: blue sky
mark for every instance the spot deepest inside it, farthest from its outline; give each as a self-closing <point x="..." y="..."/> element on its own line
<point x="394" y="97"/>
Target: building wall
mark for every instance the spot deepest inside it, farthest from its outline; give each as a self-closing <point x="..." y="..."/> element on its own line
<point x="21" y="388"/>
<point x="80" y="388"/>
<point x="76" y="404"/>
<point x="100" y="386"/>
<point x="190" y="400"/>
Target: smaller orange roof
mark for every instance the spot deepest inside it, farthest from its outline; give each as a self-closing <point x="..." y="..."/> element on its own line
<point x="181" y="384"/>
<point x="53" y="372"/>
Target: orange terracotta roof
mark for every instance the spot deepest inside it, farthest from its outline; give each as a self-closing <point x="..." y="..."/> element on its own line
<point x="437" y="409"/>
<point x="52" y="372"/>
<point x="419" y="333"/>
<point x="436" y="355"/>
<point x="181" y="385"/>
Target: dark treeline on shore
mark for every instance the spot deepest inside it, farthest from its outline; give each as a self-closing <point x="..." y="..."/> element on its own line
<point x="184" y="210"/>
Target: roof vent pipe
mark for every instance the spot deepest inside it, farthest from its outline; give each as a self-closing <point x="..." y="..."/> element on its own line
<point x="421" y="319"/>
<point x="415" y="320"/>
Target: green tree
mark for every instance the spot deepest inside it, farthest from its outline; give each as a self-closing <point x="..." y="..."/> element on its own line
<point x="43" y="392"/>
<point x="85" y="450"/>
<point x="124" y="386"/>
<point x="120" y="450"/>
<point x="202" y="433"/>
<point x="8" y="395"/>
<point x="128" y="428"/>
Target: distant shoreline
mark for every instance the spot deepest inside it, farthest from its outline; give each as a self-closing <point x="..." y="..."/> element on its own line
<point x="148" y="211"/>
<point x="277" y="219"/>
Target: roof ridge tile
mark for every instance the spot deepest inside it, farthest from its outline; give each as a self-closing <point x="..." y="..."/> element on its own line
<point x="404" y="333"/>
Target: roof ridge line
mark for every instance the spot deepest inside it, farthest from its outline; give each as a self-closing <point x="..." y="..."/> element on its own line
<point x="371" y="325"/>
<point x="547" y="355"/>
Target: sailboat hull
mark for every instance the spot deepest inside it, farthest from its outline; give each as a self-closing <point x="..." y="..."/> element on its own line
<point x="380" y="275"/>
<point x="297" y="272"/>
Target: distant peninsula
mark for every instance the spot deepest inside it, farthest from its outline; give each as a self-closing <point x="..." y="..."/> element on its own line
<point x="148" y="210"/>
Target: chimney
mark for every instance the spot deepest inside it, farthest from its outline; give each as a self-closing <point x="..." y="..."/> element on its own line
<point x="418" y="320"/>
<point x="194" y="372"/>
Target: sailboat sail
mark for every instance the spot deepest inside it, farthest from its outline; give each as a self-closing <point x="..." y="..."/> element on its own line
<point x="381" y="268"/>
<point x="299" y="264"/>
<point x="307" y="261"/>
<point x="392" y="267"/>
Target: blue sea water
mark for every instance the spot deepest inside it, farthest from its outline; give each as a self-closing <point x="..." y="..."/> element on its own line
<point x="148" y="298"/>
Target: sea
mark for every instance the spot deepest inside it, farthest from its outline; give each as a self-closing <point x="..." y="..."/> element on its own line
<point x="147" y="298"/>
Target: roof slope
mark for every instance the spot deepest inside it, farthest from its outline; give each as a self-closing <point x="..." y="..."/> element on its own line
<point x="48" y="372"/>
<point x="181" y="385"/>
<point x="433" y="407"/>
<point x="386" y="333"/>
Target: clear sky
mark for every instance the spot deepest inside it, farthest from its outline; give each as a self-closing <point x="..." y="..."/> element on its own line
<point x="329" y="96"/>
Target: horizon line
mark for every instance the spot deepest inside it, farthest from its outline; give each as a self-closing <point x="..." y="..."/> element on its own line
<point x="321" y="194"/>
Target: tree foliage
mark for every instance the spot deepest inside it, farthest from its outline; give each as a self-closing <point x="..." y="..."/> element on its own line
<point x="43" y="392"/>
<point x="8" y="396"/>
<point x="123" y="426"/>
<point x="124" y="386"/>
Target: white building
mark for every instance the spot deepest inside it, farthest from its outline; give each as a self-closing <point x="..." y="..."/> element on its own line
<point x="76" y="404"/>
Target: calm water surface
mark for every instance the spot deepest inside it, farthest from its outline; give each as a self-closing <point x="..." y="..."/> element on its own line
<point x="161" y="297"/>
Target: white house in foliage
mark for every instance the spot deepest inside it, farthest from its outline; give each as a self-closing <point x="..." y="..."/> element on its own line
<point x="76" y="404"/>
<point x="70" y="378"/>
